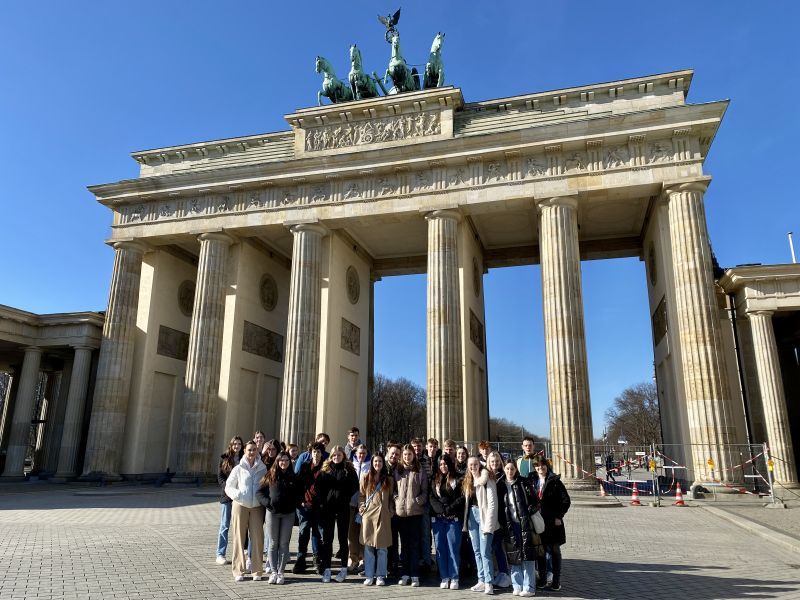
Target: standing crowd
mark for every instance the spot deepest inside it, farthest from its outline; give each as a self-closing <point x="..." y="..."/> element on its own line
<point x="393" y="511"/>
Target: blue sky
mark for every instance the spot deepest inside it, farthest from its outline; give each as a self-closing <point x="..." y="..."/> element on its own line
<point x="83" y="84"/>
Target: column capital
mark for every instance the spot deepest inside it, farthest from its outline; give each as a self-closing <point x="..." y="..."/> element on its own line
<point x="695" y="184"/>
<point x="33" y="350"/>
<point x="448" y="213"/>
<point x="316" y="228"/>
<point x="216" y="236"/>
<point x="568" y="201"/>
<point x="83" y="347"/>
<point x="758" y="312"/>
<point x="131" y="245"/>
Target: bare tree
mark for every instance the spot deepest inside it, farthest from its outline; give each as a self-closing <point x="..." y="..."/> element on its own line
<point x="635" y="416"/>
<point x="398" y="411"/>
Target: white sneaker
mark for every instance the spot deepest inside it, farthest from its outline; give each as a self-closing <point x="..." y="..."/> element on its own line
<point x="445" y="584"/>
<point x="258" y="578"/>
<point x="403" y="580"/>
<point x="502" y="580"/>
<point x="326" y="576"/>
<point x="268" y="570"/>
<point x="369" y="581"/>
<point x="527" y="594"/>
<point x="273" y="578"/>
<point x="239" y="578"/>
<point x="515" y="593"/>
<point x="221" y="560"/>
<point x="342" y="575"/>
<point x="280" y="580"/>
<point x="381" y="581"/>
<point x="454" y="584"/>
<point x="415" y="582"/>
<point x="489" y="590"/>
<point x="478" y="587"/>
<point x="248" y="565"/>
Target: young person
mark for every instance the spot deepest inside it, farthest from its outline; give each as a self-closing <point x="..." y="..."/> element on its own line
<point x="353" y="442"/>
<point x="525" y="462"/>
<point x="307" y="516"/>
<point x="228" y="460"/>
<point x="293" y="451"/>
<point x="518" y="502"/>
<point x="393" y="452"/>
<point x="361" y="464"/>
<point x="494" y="464"/>
<point x="247" y="514"/>
<point x="484" y="447"/>
<point x="480" y="520"/>
<point x="554" y="501"/>
<point x="376" y="507"/>
<point x="462" y="454"/>
<point x="336" y="484"/>
<point x="449" y="447"/>
<point x="321" y="438"/>
<point x="447" y="514"/>
<point x="279" y="493"/>
<point x="411" y="496"/>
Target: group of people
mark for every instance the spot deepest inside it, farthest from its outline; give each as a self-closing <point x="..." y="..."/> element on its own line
<point x="389" y="508"/>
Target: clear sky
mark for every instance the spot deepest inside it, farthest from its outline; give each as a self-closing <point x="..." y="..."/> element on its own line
<point x="83" y="84"/>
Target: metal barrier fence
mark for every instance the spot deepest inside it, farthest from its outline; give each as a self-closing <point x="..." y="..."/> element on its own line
<point x="658" y="469"/>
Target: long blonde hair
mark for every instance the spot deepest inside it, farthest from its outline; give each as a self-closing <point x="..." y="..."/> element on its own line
<point x="326" y="466"/>
<point x="468" y="485"/>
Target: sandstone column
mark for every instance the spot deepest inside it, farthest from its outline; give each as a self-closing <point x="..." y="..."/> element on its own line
<point x="301" y="369"/>
<point x="773" y="399"/>
<point x="702" y="360"/>
<point x="565" y="340"/>
<point x="445" y="388"/>
<point x="73" y="418"/>
<point x="23" y="412"/>
<point x="195" y="449"/>
<point x="113" y="382"/>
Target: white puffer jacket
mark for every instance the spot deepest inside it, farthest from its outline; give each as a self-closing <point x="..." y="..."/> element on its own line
<point x="486" y="496"/>
<point x="243" y="482"/>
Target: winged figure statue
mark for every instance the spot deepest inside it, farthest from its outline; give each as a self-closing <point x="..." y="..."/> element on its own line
<point x="389" y="22"/>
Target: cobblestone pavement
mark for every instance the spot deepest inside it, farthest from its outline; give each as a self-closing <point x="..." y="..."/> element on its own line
<point x="128" y="542"/>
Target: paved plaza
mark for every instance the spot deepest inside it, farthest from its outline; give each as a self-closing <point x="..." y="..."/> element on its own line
<point x="146" y="542"/>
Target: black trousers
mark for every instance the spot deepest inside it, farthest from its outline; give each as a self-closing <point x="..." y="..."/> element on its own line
<point x="409" y="528"/>
<point x="331" y="517"/>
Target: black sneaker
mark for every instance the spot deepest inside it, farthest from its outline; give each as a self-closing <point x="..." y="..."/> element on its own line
<point x="556" y="587"/>
<point x="299" y="566"/>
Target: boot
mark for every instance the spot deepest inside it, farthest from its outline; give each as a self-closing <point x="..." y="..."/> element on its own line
<point x="300" y="566"/>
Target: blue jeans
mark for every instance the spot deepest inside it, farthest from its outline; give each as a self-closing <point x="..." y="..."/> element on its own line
<point x="481" y="546"/>
<point x="500" y="554"/>
<point x="523" y="577"/>
<point x="370" y="570"/>
<point x="224" y="525"/>
<point x="308" y="527"/>
<point x="447" y="536"/>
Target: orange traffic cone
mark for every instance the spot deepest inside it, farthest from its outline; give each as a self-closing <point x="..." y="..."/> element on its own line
<point x="635" y="496"/>
<point x="679" y="496"/>
<point x="603" y="493"/>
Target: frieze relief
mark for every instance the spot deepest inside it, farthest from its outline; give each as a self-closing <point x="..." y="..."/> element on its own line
<point x="552" y="164"/>
<point x="375" y="131"/>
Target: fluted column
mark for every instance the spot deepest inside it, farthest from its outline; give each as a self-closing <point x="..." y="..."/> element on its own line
<point x="301" y="369"/>
<point x="445" y="386"/>
<point x="565" y="339"/>
<point x="23" y="412"/>
<point x="73" y="418"/>
<point x="702" y="361"/>
<point x="195" y="449"/>
<point x="113" y="381"/>
<point x="773" y="399"/>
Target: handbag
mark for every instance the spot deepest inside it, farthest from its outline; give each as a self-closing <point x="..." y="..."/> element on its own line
<point x="537" y="522"/>
<point x="357" y="520"/>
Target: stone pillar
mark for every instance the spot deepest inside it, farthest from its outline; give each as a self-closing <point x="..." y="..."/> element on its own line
<point x="773" y="398"/>
<point x="702" y="361"/>
<point x="23" y="412"/>
<point x="113" y="381"/>
<point x="371" y="368"/>
<point x="445" y="387"/>
<point x="73" y="418"/>
<point x="301" y="369"/>
<point x="565" y="340"/>
<point x="196" y="447"/>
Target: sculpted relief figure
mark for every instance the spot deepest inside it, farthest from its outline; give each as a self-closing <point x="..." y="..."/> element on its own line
<point x="616" y="157"/>
<point x="369" y="132"/>
<point x="660" y="152"/>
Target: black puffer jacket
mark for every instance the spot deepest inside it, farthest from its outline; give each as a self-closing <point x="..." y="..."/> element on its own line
<point x="222" y="477"/>
<point x="335" y="485"/>
<point x="554" y="505"/>
<point x="281" y="496"/>
<point x="517" y="505"/>
<point x="446" y="501"/>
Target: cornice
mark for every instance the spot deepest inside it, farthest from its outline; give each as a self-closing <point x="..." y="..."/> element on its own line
<point x="736" y="278"/>
<point x="702" y="118"/>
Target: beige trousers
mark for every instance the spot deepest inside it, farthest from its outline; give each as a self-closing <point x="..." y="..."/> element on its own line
<point x="243" y="521"/>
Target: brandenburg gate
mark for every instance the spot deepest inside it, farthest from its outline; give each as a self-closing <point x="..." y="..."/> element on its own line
<point x="242" y="290"/>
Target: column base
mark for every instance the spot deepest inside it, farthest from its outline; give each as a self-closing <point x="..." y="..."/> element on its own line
<point x="99" y="477"/>
<point x="192" y="478"/>
<point x="12" y="478"/>
<point x="62" y="477"/>
<point x="580" y="485"/>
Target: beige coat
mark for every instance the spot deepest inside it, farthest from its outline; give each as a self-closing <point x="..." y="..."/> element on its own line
<point x="411" y="493"/>
<point x="486" y="494"/>
<point x="376" y="524"/>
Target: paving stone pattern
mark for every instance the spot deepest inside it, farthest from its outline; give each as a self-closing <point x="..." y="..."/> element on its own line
<point x="140" y="543"/>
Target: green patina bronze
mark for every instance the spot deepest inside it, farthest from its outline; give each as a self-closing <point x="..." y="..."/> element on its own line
<point x="332" y="87"/>
<point x="434" y="69"/>
<point x="404" y="79"/>
<point x="362" y="85"/>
